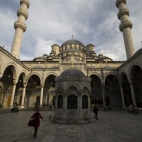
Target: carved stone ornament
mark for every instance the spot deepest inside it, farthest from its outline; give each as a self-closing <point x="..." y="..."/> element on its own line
<point x="119" y="2"/>
<point x="123" y="12"/>
<point x="125" y="25"/>
<point x="25" y="2"/>
<point x="22" y="12"/>
<point x="18" y="24"/>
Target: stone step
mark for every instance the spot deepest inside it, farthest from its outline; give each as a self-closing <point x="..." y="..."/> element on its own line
<point x="40" y="109"/>
<point x="3" y="111"/>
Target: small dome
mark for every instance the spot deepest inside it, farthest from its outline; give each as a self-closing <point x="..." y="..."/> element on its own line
<point x="72" y="41"/>
<point x="72" y="72"/>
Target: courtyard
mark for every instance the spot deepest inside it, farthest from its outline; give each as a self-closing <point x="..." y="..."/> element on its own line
<point x="112" y="126"/>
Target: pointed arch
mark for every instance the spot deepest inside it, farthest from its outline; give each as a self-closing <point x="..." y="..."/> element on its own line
<point x="98" y="75"/>
<point x="34" y="73"/>
<point x="47" y="75"/>
<point x="111" y="73"/>
<point x="14" y="69"/>
<point x="72" y="84"/>
<point x="132" y="68"/>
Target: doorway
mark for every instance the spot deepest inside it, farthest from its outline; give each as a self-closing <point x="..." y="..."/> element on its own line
<point x="8" y="100"/>
<point x="107" y="101"/>
<point x="38" y="100"/>
<point x="20" y="100"/>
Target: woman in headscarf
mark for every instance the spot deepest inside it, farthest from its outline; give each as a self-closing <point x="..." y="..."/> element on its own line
<point x="36" y="116"/>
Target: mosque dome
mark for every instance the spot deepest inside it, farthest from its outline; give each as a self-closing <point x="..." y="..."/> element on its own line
<point x="72" y="72"/>
<point x="72" y="41"/>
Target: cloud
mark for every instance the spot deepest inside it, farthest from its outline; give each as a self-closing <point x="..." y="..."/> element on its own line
<point x="53" y="22"/>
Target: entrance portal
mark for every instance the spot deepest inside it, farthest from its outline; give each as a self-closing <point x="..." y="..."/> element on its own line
<point x="38" y="100"/>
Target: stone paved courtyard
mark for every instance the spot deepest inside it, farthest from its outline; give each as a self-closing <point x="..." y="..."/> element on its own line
<point x="112" y="126"/>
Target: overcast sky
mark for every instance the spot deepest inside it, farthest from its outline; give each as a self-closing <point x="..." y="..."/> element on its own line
<point x="54" y="21"/>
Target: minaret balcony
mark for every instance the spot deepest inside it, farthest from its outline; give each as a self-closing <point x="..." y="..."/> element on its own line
<point x="123" y="12"/>
<point x="22" y="12"/>
<point x="125" y="25"/>
<point x="119" y="2"/>
<point x="18" y="24"/>
<point x="25" y="2"/>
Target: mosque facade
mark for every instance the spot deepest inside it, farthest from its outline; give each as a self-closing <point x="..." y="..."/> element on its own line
<point x="115" y="83"/>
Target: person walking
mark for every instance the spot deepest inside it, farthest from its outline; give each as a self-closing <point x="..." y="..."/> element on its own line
<point x="50" y="107"/>
<point x="96" y="112"/>
<point x="36" y="118"/>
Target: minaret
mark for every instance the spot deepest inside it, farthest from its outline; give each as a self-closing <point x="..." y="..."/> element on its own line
<point x="125" y="27"/>
<point x="20" y="27"/>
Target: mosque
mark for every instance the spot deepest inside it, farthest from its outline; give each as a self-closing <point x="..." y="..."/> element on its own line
<point x="72" y="76"/>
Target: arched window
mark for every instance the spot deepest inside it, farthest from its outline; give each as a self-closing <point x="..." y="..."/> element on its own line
<point x="60" y="101"/>
<point x="84" y="102"/>
<point x="72" y="102"/>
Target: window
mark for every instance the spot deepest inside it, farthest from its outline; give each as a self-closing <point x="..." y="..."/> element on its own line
<point x="60" y="101"/>
<point x="84" y="102"/>
<point x="72" y="102"/>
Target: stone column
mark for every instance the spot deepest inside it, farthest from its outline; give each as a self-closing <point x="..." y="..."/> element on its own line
<point x="64" y="116"/>
<point x="23" y="95"/>
<point x="41" y="96"/>
<point x="133" y="94"/>
<point x="125" y="27"/>
<point x="13" y="94"/>
<point x="65" y="102"/>
<point x="20" y="27"/>
<point x="1" y="101"/>
<point x="79" y="105"/>
<point x="122" y="95"/>
<point x="103" y="93"/>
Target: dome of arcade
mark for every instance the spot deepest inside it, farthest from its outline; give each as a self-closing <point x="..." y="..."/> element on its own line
<point x="72" y="72"/>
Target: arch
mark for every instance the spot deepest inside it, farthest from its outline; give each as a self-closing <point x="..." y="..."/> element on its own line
<point x="122" y="76"/>
<point x="59" y="86"/>
<point x="24" y="76"/>
<point x="111" y="73"/>
<point x="72" y="84"/>
<point x="87" y="87"/>
<point x="97" y="76"/>
<point x="34" y="73"/>
<point x="14" y="70"/>
<point x="51" y="73"/>
<point x="132" y="68"/>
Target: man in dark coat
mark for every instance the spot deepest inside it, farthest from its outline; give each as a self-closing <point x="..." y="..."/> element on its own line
<point x="96" y="112"/>
<point x="36" y="116"/>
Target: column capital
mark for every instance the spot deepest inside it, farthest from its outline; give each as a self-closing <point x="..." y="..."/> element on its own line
<point x="121" y="85"/>
<point x="131" y="82"/>
<point x="15" y="82"/>
<point x="25" y="85"/>
<point x="103" y="85"/>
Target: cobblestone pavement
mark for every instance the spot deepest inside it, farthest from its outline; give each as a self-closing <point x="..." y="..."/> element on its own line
<point x="112" y="126"/>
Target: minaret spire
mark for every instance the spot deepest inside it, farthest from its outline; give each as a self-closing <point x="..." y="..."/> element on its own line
<point x="20" y="27"/>
<point x="125" y="27"/>
<point x="72" y="36"/>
